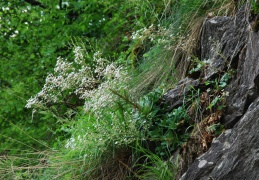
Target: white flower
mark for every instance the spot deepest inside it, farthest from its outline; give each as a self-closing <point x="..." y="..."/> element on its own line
<point x="13" y="36"/>
<point x="91" y="84"/>
<point x="70" y="143"/>
<point x="5" y="8"/>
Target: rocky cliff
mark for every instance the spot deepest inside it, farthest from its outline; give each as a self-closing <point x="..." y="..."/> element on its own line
<point x="227" y="44"/>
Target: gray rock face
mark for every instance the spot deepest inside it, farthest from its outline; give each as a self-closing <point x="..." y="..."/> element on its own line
<point x="221" y="41"/>
<point x="175" y="97"/>
<point x="229" y="42"/>
<point x="234" y="154"/>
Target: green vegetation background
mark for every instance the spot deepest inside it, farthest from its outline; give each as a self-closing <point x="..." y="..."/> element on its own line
<point x="33" y="36"/>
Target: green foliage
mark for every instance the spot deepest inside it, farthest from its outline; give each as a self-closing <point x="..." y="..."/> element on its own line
<point x="217" y="128"/>
<point x="213" y="102"/>
<point x="218" y="88"/>
<point x="200" y="65"/>
<point x="170" y="132"/>
<point x="95" y="145"/>
<point x="103" y="140"/>
<point x="166" y="129"/>
<point x="33" y="37"/>
<point x="17" y="125"/>
<point x="255" y="6"/>
<point x="154" y="167"/>
<point x="29" y="46"/>
<point x="112" y="138"/>
<point x="160" y="50"/>
<point x="224" y="80"/>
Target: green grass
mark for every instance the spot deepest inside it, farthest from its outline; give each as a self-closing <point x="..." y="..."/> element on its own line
<point x="162" y="51"/>
<point x="153" y="167"/>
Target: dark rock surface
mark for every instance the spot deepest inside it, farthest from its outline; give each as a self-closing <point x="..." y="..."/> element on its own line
<point x="175" y="97"/>
<point x="221" y="41"/>
<point x="229" y="43"/>
<point x="243" y="89"/>
<point x="234" y="154"/>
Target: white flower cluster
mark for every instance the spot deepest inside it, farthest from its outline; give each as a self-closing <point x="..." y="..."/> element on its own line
<point x="100" y="132"/>
<point x="14" y="34"/>
<point x="90" y="82"/>
<point x="139" y="34"/>
<point x="159" y="33"/>
<point x="5" y="8"/>
<point x="74" y="141"/>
